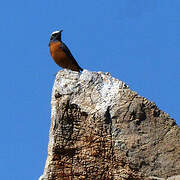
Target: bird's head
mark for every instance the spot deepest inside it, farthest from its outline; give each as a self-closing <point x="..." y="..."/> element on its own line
<point x="56" y="36"/>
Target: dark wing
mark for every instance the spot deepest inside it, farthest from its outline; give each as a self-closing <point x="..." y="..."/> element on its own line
<point x="68" y="53"/>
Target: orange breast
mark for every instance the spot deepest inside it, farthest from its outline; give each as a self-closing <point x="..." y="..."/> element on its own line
<point x="61" y="58"/>
<point x="59" y="55"/>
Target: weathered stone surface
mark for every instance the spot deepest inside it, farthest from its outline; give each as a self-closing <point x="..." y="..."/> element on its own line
<point x="174" y="178"/>
<point x="100" y="129"/>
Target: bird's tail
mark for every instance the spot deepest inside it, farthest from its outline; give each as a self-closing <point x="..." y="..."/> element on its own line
<point x="81" y="69"/>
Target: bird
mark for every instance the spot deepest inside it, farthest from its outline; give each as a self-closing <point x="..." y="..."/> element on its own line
<point x="61" y="54"/>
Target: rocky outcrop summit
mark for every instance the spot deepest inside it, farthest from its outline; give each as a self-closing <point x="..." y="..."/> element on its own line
<point x="100" y="129"/>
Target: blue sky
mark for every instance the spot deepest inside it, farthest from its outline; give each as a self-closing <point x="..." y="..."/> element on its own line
<point x="138" y="42"/>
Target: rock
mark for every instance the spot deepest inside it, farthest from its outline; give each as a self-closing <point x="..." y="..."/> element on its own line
<point x="155" y="178"/>
<point x="174" y="178"/>
<point x="100" y="129"/>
